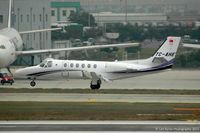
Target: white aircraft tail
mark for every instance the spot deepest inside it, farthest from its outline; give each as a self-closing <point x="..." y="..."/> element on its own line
<point x="10" y="13"/>
<point x="166" y="53"/>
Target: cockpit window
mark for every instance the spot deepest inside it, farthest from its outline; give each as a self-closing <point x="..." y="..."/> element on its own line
<point x="46" y="63"/>
<point x="49" y="64"/>
<point x="2" y="47"/>
<point x="43" y="63"/>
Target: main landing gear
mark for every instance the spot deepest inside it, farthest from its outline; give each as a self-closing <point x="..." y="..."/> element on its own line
<point x="95" y="86"/>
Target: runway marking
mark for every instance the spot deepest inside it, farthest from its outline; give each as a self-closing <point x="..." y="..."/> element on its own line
<point x="92" y="100"/>
<point x="187" y="109"/>
<point x="8" y="126"/>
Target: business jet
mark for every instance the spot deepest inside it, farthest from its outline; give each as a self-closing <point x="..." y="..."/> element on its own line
<point x="11" y="44"/>
<point x="97" y="71"/>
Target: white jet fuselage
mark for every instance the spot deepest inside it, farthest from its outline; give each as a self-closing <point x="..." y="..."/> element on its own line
<point x="76" y="69"/>
<point x="10" y="41"/>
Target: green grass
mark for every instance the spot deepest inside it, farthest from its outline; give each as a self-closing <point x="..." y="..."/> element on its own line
<point x="101" y="91"/>
<point x="95" y="111"/>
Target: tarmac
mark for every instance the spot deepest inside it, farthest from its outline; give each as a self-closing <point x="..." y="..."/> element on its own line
<point x="174" y="79"/>
<point x="130" y="98"/>
<point x="99" y="126"/>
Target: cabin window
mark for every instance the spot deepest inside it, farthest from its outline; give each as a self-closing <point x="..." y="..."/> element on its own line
<point x="83" y="65"/>
<point x="77" y="65"/>
<point x="49" y="64"/>
<point x="71" y="65"/>
<point x="95" y="65"/>
<point x="65" y="65"/>
<point x="88" y="65"/>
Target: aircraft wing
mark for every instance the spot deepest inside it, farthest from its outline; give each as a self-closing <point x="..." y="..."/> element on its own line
<point x="42" y="30"/>
<point x="191" y="45"/>
<point x="43" y="51"/>
<point x="95" y="76"/>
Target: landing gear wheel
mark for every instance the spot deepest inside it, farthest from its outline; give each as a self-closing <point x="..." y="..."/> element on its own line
<point x="93" y="87"/>
<point x="97" y="86"/>
<point x="32" y="83"/>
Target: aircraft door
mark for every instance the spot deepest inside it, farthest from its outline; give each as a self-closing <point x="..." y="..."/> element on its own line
<point x="65" y="72"/>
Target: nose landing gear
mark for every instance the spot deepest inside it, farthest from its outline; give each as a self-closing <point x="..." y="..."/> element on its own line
<point x="32" y="83"/>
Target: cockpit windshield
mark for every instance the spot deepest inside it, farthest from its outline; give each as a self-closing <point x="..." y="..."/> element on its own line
<point x="2" y="47"/>
<point x="42" y="64"/>
<point x="46" y="64"/>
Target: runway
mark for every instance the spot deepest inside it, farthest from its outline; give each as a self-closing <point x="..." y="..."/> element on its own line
<point x="154" y="126"/>
<point x="130" y="98"/>
<point x="175" y="79"/>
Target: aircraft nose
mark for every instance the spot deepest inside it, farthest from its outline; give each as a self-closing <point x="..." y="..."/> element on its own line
<point x="4" y="59"/>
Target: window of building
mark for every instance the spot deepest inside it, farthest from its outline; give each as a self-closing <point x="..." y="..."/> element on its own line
<point x="14" y="18"/>
<point x="34" y="36"/>
<point x="64" y="13"/>
<point x="83" y="65"/>
<point x="1" y="19"/>
<point x="46" y="35"/>
<point x="40" y="18"/>
<point x="95" y="65"/>
<point x="72" y="11"/>
<point x="21" y="18"/>
<point x="27" y="18"/>
<point x="27" y="36"/>
<point x="52" y="12"/>
<point x="46" y="17"/>
<point x="33" y="17"/>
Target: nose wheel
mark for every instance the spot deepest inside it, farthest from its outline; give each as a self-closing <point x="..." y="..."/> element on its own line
<point x="33" y="83"/>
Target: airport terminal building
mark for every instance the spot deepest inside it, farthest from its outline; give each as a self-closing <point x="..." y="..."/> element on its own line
<point x="133" y="18"/>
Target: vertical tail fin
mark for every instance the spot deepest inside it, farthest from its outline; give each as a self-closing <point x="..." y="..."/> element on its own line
<point x="165" y="55"/>
<point x="10" y="13"/>
<point x="168" y="49"/>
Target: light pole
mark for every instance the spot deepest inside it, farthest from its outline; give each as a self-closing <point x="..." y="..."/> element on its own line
<point x="126" y="11"/>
